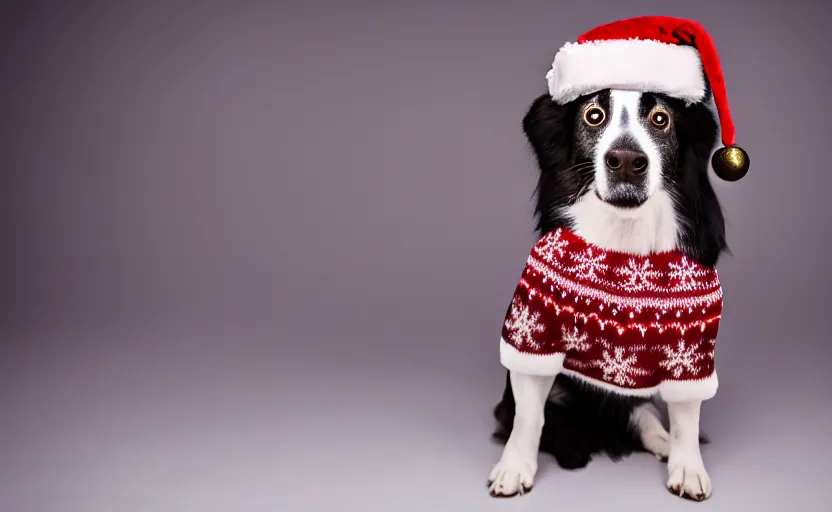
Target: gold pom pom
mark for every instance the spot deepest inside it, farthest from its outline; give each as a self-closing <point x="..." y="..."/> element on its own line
<point x="730" y="163"/>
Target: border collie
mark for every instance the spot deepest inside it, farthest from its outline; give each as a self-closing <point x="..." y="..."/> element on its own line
<point x="627" y="171"/>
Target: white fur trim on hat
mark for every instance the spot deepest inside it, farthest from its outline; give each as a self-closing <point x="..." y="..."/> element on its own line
<point x="634" y="64"/>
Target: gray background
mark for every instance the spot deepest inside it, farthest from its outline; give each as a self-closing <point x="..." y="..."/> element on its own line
<point x="256" y="256"/>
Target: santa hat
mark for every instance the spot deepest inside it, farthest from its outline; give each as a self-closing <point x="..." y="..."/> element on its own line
<point x="656" y="54"/>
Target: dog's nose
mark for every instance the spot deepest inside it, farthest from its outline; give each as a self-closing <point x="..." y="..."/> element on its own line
<point x="626" y="162"/>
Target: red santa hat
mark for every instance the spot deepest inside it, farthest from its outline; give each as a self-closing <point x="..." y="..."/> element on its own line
<point x="656" y="54"/>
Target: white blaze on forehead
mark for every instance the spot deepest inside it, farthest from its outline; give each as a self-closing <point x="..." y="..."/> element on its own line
<point x="625" y="121"/>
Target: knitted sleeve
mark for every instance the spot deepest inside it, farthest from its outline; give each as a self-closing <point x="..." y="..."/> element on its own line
<point x="531" y="332"/>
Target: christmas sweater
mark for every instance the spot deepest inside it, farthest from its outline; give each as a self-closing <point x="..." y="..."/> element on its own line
<point x="636" y="325"/>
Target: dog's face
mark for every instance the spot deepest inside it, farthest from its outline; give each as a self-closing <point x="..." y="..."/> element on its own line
<point x="630" y="139"/>
<point x="619" y="154"/>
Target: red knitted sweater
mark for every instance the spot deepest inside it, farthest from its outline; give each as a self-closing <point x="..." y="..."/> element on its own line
<point x="634" y="325"/>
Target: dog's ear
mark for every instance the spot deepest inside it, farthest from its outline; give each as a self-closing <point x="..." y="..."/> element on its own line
<point x="697" y="132"/>
<point x="548" y="127"/>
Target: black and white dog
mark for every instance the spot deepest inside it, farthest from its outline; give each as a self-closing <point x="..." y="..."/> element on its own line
<point x="627" y="171"/>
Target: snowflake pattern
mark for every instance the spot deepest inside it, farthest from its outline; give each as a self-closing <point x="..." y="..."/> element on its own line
<point x="638" y="276"/>
<point x="524" y="324"/>
<point x="589" y="264"/>
<point x="573" y="339"/>
<point x="627" y="320"/>
<point x="553" y="244"/>
<point x="685" y="275"/>
<point x="620" y="369"/>
<point x="681" y="359"/>
<point x="614" y="280"/>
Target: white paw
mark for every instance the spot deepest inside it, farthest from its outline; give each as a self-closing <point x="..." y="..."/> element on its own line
<point x="511" y="476"/>
<point x="688" y="478"/>
<point x="657" y="442"/>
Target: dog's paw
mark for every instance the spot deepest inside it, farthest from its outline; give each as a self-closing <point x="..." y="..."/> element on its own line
<point x="688" y="478"/>
<point x="511" y="476"/>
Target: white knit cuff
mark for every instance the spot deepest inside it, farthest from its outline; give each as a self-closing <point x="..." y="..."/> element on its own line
<point x="548" y="365"/>
<point x="681" y="391"/>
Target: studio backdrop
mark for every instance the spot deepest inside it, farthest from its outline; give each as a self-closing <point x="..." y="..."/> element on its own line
<point x="259" y="254"/>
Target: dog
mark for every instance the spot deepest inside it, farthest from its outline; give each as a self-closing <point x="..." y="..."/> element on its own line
<point x="627" y="171"/>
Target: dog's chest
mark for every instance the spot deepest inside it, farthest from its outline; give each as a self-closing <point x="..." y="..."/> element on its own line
<point x="651" y="228"/>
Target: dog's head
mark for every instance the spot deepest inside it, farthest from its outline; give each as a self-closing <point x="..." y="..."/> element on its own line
<point x="627" y="155"/>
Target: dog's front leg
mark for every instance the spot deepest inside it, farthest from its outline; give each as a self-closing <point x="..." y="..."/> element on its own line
<point x="686" y="470"/>
<point x="514" y="473"/>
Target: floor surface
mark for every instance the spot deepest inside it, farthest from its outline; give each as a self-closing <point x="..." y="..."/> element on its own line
<point x="175" y="423"/>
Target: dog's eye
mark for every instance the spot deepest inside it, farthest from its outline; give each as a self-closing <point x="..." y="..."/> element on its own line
<point x="659" y="118"/>
<point x="594" y="116"/>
